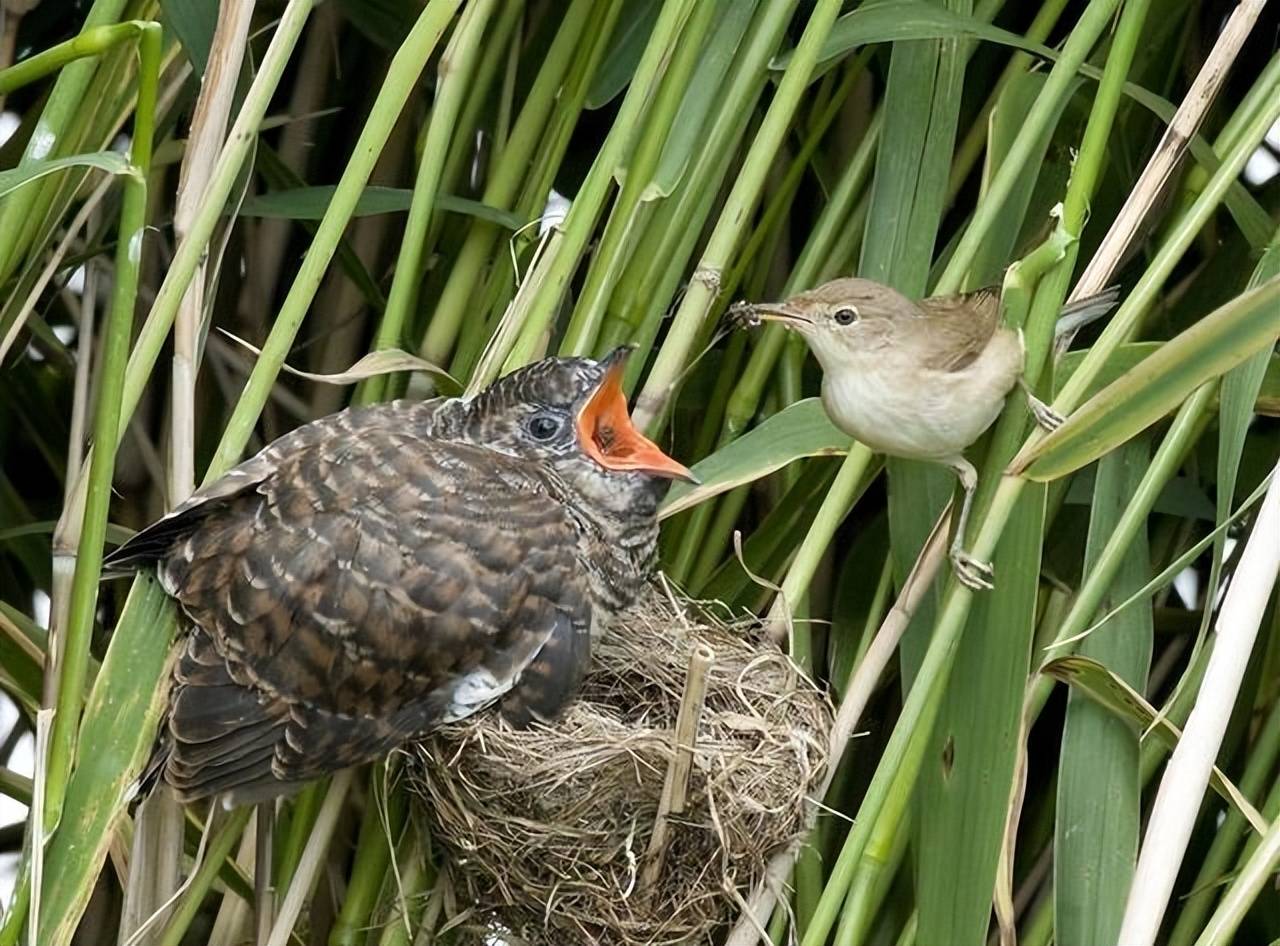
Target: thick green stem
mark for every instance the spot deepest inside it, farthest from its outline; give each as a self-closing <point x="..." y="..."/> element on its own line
<point x="94" y="41"/>
<point x="456" y="67"/>
<point x="651" y="405"/>
<point x="880" y="862"/>
<point x="379" y="831"/>
<point x="65" y="106"/>
<point x="402" y="75"/>
<point x="501" y="191"/>
<point x="534" y="312"/>
<point x="74" y="640"/>
<point x="634" y="205"/>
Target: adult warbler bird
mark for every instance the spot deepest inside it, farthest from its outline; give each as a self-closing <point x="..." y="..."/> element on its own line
<point x="922" y="379"/>
<point x="386" y="569"/>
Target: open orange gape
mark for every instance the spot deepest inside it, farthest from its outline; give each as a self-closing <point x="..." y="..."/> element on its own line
<point x="610" y="438"/>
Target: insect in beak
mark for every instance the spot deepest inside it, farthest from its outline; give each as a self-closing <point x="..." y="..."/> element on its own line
<point x="776" y="312"/>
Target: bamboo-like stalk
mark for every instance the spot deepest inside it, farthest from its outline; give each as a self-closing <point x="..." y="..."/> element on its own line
<point x="205" y="141"/>
<point x="303" y="810"/>
<point x="270" y="237"/>
<point x="413" y="910"/>
<point x="880" y="861"/>
<point x="264" y="893"/>
<point x="232" y="923"/>
<point x="67" y="531"/>
<point x="158" y="829"/>
<point x="90" y="42"/>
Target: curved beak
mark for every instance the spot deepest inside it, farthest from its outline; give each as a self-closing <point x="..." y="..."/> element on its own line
<point x="610" y="438"/>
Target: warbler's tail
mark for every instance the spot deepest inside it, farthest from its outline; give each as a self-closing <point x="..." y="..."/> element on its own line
<point x="1089" y="309"/>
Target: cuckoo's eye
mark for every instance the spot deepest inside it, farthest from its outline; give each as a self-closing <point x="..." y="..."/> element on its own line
<point x="544" y="426"/>
<point x="845" y="316"/>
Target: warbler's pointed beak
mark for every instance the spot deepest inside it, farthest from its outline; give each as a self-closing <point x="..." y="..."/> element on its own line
<point x="608" y="436"/>
<point x="789" y="316"/>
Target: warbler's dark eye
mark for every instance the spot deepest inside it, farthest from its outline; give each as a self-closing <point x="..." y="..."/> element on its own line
<point x="845" y="316"/>
<point x="544" y="426"/>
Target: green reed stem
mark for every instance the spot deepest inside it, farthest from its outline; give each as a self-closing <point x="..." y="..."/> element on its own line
<point x="455" y="71"/>
<point x="654" y="398"/>
<point x="106" y="434"/>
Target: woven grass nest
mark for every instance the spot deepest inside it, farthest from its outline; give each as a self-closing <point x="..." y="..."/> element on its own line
<point x="550" y="830"/>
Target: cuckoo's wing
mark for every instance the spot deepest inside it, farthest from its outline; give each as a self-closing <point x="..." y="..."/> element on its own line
<point x="362" y="593"/>
<point x="152" y="543"/>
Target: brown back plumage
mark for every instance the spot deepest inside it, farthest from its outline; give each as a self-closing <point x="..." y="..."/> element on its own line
<point x="957" y="328"/>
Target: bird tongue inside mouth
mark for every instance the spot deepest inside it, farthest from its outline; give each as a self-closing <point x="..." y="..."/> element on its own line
<point x="607" y="434"/>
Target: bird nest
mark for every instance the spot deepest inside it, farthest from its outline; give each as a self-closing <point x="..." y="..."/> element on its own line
<point x="579" y="832"/>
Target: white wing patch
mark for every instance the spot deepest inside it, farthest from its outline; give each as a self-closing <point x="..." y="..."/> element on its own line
<point x="474" y="692"/>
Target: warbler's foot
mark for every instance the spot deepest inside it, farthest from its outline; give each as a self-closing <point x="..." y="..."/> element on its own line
<point x="972" y="572"/>
<point x="1045" y="415"/>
